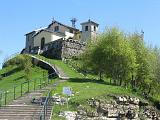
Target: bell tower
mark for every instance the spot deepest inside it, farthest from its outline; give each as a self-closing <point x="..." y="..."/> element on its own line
<point x="89" y="30"/>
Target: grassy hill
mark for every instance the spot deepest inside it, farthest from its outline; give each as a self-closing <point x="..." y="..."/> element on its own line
<point x="17" y="77"/>
<point x="12" y="79"/>
<point x="83" y="87"/>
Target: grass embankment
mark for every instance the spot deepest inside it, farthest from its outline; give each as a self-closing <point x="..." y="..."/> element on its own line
<point x="17" y="77"/>
<point x="65" y="67"/>
<point x="83" y="88"/>
<point x="12" y="77"/>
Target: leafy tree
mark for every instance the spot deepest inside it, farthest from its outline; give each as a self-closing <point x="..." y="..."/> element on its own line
<point x="112" y="55"/>
<point x="147" y="59"/>
<point x="27" y="64"/>
<point x="155" y="71"/>
<point x="23" y="62"/>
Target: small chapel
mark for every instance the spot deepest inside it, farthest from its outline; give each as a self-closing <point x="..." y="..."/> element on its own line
<point x="60" y="41"/>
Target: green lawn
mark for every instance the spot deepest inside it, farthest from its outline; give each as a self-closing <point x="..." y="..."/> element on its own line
<point x="16" y="78"/>
<point x="65" y="67"/>
<point x="85" y="89"/>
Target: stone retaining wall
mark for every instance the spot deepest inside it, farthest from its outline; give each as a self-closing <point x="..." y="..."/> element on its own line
<point x="72" y="48"/>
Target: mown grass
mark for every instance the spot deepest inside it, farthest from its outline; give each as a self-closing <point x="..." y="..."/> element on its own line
<point x="65" y="67"/>
<point x="16" y="79"/>
<point x="84" y="88"/>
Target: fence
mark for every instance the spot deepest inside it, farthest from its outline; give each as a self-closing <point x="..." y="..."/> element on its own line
<point x="43" y="114"/>
<point x="23" y="88"/>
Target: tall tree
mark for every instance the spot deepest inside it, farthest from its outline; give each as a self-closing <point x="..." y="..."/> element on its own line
<point x="27" y="66"/>
<point x="143" y="56"/>
<point x="112" y="55"/>
<point x="154" y="72"/>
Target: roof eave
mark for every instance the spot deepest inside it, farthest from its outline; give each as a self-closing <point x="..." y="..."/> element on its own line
<point x="63" y="25"/>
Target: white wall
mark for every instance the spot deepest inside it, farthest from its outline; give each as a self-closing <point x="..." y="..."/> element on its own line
<point x="68" y="34"/>
<point x="37" y="38"/>
<point x="90" y="34"/>
<point x="55" y="37"/>
<point x="48" y="38"/>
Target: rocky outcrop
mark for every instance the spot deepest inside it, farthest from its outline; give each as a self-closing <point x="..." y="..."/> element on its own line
<point x="57" y="99"/>
<point x="120" y="108"/>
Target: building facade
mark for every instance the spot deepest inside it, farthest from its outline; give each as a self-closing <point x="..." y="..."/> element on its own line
<point x="59" y="40"/>
<point x="89" y="30"/>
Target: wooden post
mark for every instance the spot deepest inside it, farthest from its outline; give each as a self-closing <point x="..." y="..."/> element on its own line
<point x="44" y="112"/>
<point x="0" y="99"/>
<point x="21" y="88"/>
<point x="40" y="83"/>
<point x="5" y="97"/>
<point x="14" y="92"/>
<point x="34" y="85"/>
<point x="28" y="86"/>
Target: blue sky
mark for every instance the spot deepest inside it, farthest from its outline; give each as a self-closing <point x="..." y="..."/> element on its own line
<point x="21" y="16"/>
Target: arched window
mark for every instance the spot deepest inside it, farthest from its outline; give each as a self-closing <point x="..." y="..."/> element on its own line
<point x="42" y="43"/>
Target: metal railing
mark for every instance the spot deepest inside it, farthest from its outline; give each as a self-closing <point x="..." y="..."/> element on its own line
<point x="45" y="108"/>
<point x="6" y="96"/>
<point x="48" y="102"/>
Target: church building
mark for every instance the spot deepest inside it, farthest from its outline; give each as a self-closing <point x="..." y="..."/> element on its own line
<point x="58" y="40"/>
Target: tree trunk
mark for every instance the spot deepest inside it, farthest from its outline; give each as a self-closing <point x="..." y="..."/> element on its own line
<point x="110" y="81"/>
<point x="120" y="83"/>
<point x="150" y="87"/>
<point x="100" y="75"/>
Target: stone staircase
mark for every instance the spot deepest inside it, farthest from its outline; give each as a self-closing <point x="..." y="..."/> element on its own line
<point x="23" y="109"/>
<point x="21" y="112"/>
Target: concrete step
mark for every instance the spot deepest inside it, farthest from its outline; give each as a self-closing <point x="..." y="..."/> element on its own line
<point x="23" y="114"/>
<point x="23" y="109"/>
<point x="21" y="118"/>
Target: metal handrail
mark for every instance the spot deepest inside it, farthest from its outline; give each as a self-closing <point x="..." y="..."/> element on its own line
<point x="43" y="113"/>
<point x="3" y="92"/>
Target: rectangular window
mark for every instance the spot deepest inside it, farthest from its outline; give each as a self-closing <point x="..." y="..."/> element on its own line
<point x="29" y="49"/>
<point x="94" y="28"/>
<point x="70" y="30"/>
<point x="86" y="28"/>
<point x="56" y="28"/>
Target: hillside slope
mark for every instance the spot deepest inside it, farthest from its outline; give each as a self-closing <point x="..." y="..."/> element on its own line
<point x="85" y="88"/>
<point x="13" y="83"/>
